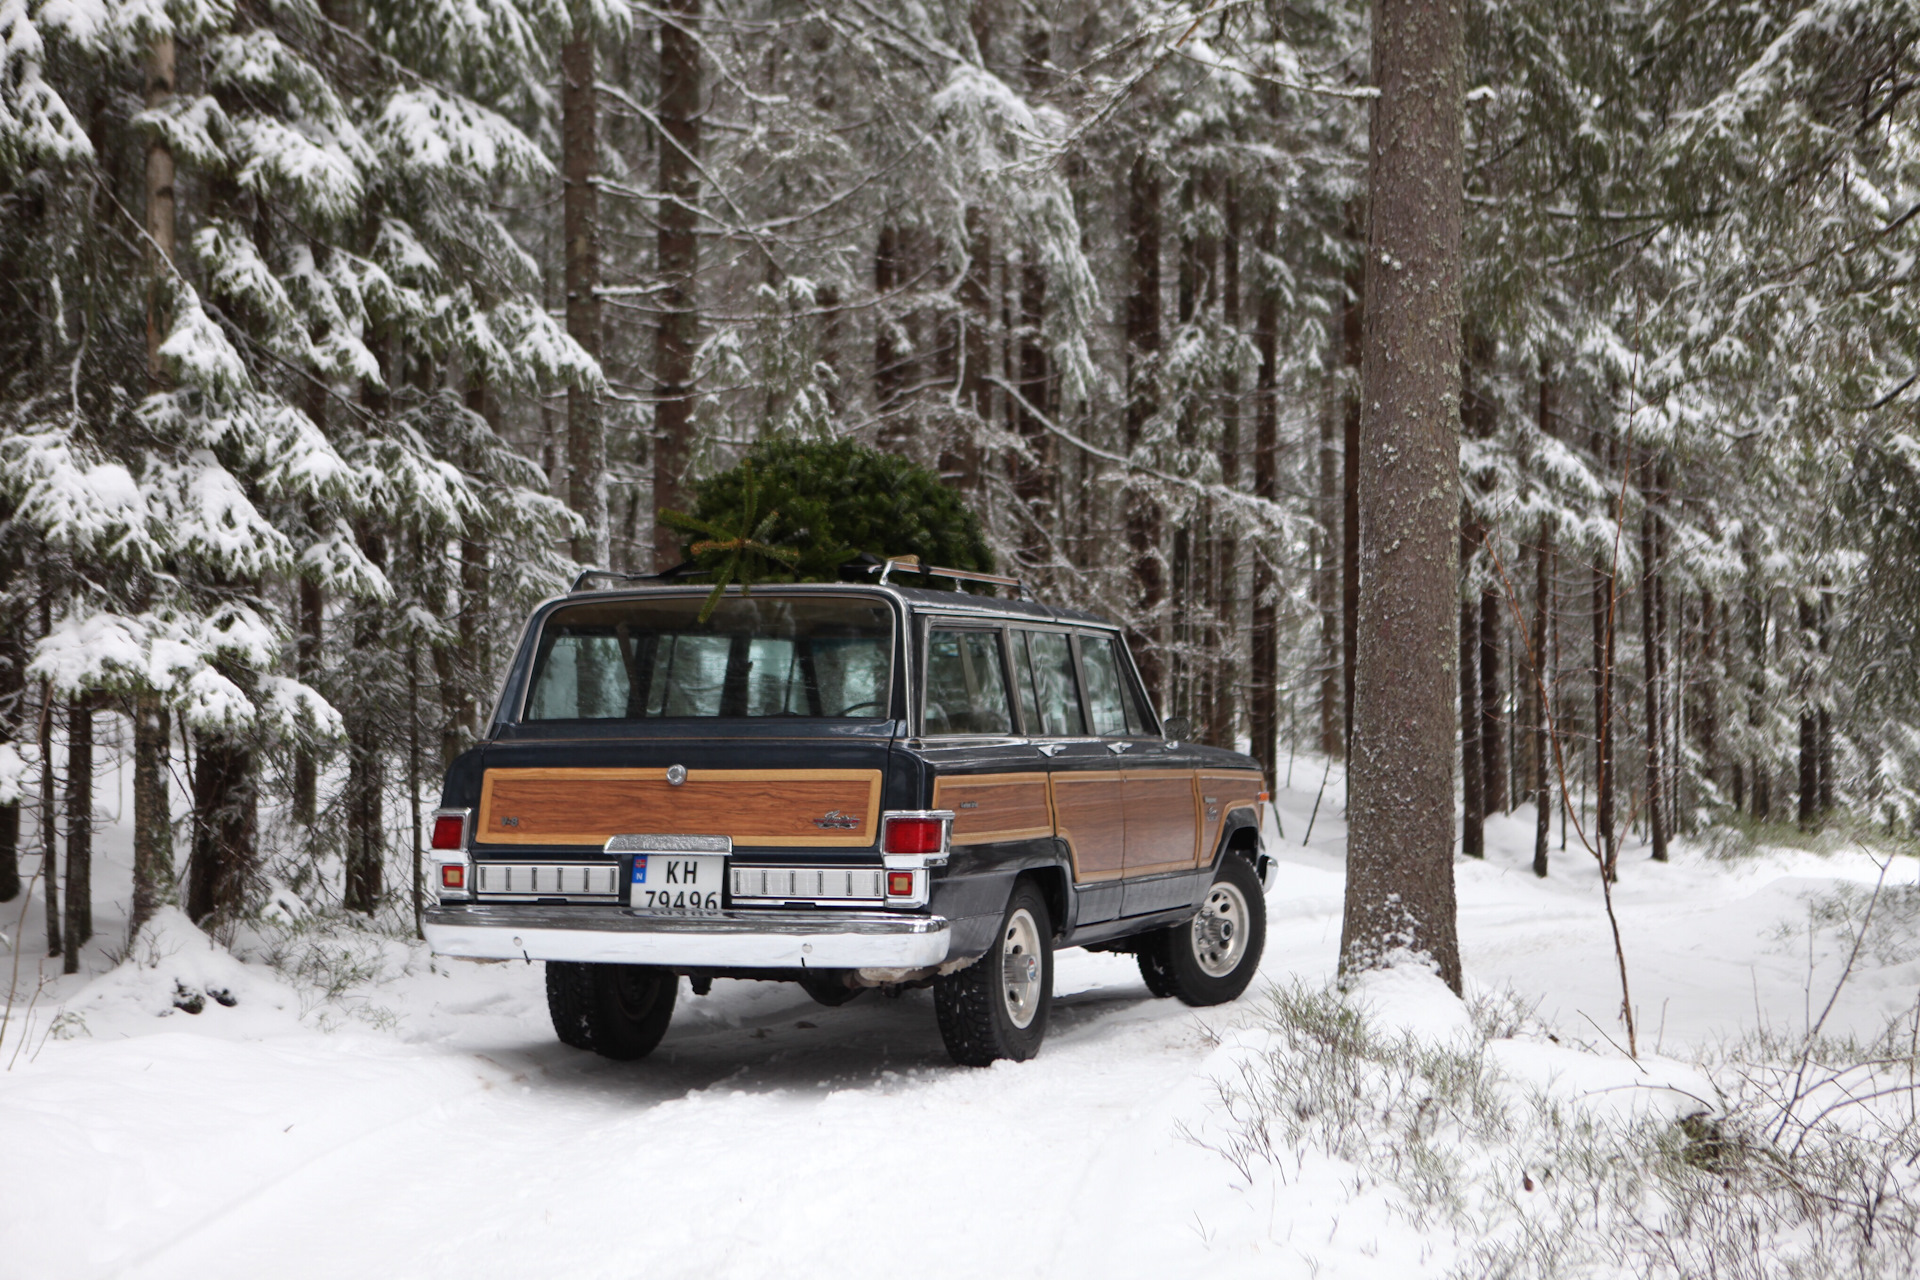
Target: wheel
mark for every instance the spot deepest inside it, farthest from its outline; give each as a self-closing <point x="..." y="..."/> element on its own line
<point x="1153" y="965"/>
<point x="569" y="997"/>
<point x="827" y="988"/>
<point x="997" y="1007"/>
<point x="1211" y="960"/>
<point x="623" y="1009"/>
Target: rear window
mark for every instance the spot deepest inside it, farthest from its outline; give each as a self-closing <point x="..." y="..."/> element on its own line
<point x="757" y="656"/>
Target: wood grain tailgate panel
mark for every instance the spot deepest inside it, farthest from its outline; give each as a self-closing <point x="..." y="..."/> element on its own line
<point x="993" y="807"/>
<point x="757" y="807"/>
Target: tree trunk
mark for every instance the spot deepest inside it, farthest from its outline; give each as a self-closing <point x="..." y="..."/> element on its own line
<point x="366" y="766"/>
<point x="1493" y="729"/>
<point x="1809" y="731"/>
<point x="152" y="811"/>
<point x="160" y="209"/>
<point x="1652" y="660"/>
<point x="586" y="426"/>
<point x="1542" y="674"/>
<point x="226" y="829"/>
<point x="1225" y="558"/>
<point x="306" y="658"/>
<point x="1327" y="590"/>
<point x="413" y="778"/>
<point x="1473" y="802"/>
<point x="152" y="802"/>
<point x="1143" y="403"/>
<point x="1353" y="328"/>
<point x="13" y="687"/>
<point x="1263" y="710"/>
<point x="1824" y="758"/>
<point x="1707" y="721"/>
<point x="1400" y="894"/>
<point x="79" y="927"/>
<point x="1603" y="691"/>
<point x="678" y="252"/>
<point x="49" y="863"/>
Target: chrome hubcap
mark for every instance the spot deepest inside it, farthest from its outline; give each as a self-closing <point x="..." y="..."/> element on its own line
<point x="1220" y="931"/>
<point x="1021" y="968"/>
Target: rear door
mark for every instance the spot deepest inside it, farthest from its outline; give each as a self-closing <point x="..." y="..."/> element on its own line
<point x="1162" y="844"/>
<point x="1084" y="780"/>
<point x="985" y="771"/>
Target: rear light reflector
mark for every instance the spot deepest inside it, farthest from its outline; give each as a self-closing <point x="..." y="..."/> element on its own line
<point x="453" y="875"/>
<point x="914" y="835"/>
<point x="448" y="831"/>
<point x="899" y="884"/>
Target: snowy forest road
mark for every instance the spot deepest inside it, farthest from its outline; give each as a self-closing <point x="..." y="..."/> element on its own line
<point x="444" y="1132"/>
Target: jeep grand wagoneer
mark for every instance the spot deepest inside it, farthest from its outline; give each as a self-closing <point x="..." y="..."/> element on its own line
<point x="847" y="786"/>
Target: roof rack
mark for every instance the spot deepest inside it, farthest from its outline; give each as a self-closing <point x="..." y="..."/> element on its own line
<point x="911" y="564"/>
<point x="868" y="563"/>
<point x="674" y="574"/>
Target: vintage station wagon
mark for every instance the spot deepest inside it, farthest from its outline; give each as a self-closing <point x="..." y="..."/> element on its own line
<point x="845" y="785"/>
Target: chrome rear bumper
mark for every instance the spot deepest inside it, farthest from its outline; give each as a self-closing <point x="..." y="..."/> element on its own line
<point x="824" y="939"/>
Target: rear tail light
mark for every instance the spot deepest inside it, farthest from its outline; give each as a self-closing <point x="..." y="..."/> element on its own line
<point x="449" y="832"/>
<point x="453" y="875"/>
<point x="915" y="835"/>
<point x="899" y="884"/>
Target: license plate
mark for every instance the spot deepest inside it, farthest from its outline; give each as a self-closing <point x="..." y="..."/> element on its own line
<point x="676" y="883"/>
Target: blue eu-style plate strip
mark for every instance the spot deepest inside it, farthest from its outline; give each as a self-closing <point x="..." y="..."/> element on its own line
<point x="640" y="869"/>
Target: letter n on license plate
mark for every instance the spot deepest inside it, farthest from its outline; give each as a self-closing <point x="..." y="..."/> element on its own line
<point x="676" y="883"/>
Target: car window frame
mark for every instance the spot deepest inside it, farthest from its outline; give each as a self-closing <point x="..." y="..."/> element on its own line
<point x="1130" y="681"/>
<point x="1079" y="683"/>
<point x="931" y="622"/>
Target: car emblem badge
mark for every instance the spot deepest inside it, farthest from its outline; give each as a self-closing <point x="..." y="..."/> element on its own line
<point x="676" y="774"/>
<point x="834" y="820"/>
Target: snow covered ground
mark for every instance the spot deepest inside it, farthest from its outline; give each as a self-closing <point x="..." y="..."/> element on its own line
<point x="424" y="1122"/>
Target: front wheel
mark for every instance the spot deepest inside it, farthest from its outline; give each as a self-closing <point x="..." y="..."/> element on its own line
<point x="1211" y="960"/>
<point x="997" y="1006"/>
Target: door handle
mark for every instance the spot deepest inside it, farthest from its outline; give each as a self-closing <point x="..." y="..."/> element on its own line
<point x="1119" y="748"/>
<point x="1051" y="749"/>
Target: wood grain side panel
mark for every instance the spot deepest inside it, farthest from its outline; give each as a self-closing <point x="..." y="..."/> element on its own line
<point x="994" y="807"/>
<point x="1163" y="832"/>
<point x="1089" y="812"/>
<point x="1221" y="794"/>
<point x="757" y="807"/>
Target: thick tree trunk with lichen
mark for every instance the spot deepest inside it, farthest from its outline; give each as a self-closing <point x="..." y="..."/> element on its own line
<point x="1400" y="893"/>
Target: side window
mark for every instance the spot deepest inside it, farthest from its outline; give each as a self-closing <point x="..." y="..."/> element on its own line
<point x="1116" y="711"/>
<point x="1055" y="706"/>
<point x="966" y="684"/>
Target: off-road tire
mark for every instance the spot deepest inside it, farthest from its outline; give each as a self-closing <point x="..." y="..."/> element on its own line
<point x="1152" y="955"/>
<point x="978" y="1007"/>
<point x="569" y="999"/>
<point x="628" y="1009"/>
<point x="1187" y="959"/>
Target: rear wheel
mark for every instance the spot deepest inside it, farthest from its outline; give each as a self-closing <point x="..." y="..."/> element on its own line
<point x="1212" y="959"/>
<point x="619" y="1011"/>
<point x="569" y="996"/>
<point x="997" y="1007"/>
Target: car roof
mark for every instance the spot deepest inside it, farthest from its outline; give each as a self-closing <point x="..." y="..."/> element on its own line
<point x="917" y="599"/>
